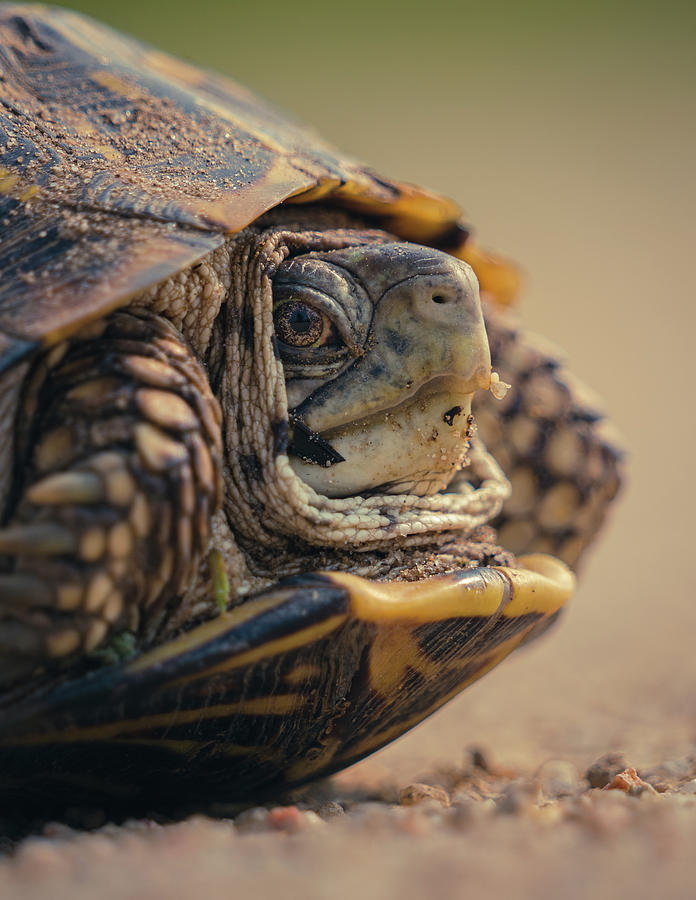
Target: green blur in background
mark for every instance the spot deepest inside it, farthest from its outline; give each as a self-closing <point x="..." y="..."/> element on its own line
<point x="567" y="132"/>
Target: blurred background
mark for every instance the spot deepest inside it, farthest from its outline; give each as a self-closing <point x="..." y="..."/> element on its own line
<point x="566" y="131"/>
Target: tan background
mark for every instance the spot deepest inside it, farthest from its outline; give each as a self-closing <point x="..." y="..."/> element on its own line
<point x="567" y="131"/>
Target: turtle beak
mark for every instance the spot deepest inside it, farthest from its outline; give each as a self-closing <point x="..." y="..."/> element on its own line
<point x="428" y="327"/>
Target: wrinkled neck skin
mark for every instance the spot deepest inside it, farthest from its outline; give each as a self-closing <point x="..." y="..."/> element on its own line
<point x="273" y="519"/>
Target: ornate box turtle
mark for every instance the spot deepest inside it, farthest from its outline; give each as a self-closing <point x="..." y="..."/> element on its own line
<point x="248" y="520"/>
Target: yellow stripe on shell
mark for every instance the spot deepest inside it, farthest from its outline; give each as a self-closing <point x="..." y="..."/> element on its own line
<point x="392" y="654"/>
<point x="413" y="213"/>
<point x="9" y="180"/>
<point x="193" y="748"/>
<point x="314" y="194"/>
<point x="269" y="705"/>
<point x="541" y="587"/>
<point x="302" y="673"/>
<point x="208" y="631"/>
<point x="430" y="600"/>
<point x="7" y="183"/>
<point x="542" y="584"/>
<point x="395" y="650"/>
<point x="270" y="649"/>
<point x="30" y="192"/>
<point x="379" y="739"/>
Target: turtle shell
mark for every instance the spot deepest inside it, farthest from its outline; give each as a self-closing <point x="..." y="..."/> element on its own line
<point x="120" y="165"/>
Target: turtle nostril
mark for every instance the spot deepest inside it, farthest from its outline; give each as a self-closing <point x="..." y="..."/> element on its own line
<point x="439" y="298"/>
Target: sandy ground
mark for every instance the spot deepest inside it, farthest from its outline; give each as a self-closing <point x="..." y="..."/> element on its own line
<point x="597" y="199"/>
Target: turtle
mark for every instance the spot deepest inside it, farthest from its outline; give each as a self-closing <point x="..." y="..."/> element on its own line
<point x="252" y="528"/>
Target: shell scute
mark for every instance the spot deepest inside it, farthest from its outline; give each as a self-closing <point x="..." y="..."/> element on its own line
<point x="120" y="166"/>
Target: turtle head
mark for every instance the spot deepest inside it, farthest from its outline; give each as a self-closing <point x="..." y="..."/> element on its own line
<point x="383" y="346"/>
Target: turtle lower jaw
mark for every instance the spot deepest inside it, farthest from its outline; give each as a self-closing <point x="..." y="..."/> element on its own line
<point x="415" y="447"/>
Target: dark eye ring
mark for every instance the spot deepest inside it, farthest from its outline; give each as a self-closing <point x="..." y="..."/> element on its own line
<point x="297" y="324"/>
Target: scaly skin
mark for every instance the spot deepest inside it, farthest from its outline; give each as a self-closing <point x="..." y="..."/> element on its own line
<point x="120" y="464"/>
<point x="119" y="450"/>
<point x="119" y="468"/>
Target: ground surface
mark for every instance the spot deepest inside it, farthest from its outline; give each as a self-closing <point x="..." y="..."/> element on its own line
<point x="571" y="142"/>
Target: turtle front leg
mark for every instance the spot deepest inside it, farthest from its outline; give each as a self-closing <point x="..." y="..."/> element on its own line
<point x="118" y="462"/>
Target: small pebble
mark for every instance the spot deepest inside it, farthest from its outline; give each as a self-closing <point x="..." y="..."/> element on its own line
<point x="601" y="772"/>
<point x="418" y="793"/>
<point x="253" y="820"/>
<point x="291" y="819"/>
<point x="517" y="798"/>
<point x="630" y="783"/>
<point x="330" y="809"/>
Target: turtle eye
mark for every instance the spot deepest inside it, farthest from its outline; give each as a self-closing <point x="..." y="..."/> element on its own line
<point x="298" y="324"/>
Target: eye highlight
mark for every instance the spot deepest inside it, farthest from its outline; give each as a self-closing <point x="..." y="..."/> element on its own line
<point x="298" y="324"/>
